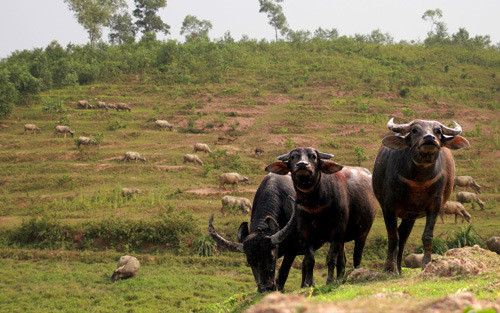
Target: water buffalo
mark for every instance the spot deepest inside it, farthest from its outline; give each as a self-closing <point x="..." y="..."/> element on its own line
<point x="412" y="178"/>
<point x="470" y="197"/>
<point x="466" y="181"/>
<point x="272" y="233"/>
<point x="454" y="208"/>
<point x="336" y="205"/>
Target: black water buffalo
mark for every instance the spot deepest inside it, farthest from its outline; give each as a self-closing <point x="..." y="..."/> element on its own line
<point x="412" y="178"/>
<point x="272" y="232"/>
<point x="336" y="204"/>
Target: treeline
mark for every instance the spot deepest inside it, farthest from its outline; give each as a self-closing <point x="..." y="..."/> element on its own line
<point x="25" y="74"/>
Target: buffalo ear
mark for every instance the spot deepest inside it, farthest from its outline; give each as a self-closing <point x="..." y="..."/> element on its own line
<point x="395" y="142"/>
<point x="278" y="168"/>
<point x="330" y="167"/>
<point x="272" y="224"/>
<point x="457" y="142"/>
<point x="243" y="232"/>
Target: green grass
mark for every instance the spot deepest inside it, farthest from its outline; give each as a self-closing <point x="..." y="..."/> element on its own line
<point x="270" y="96"/>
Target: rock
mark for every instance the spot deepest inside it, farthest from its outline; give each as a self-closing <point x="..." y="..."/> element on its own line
<point x="414" y="260"/>
<point x="493" y="244"/>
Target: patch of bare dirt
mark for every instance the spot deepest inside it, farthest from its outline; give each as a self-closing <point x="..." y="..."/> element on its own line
<point x="170" y="167"/>
<point x="463" y="261"/>
<point x="457" y="302"/>
<point x="205" y="191"/>
<point x="280" y="303"/>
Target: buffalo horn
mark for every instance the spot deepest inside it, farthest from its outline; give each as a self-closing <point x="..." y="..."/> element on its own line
<point x="289" y="227"/>
<point x="451" y="131"/>
<point x="284" y="157"/>
<point x="325" y="156"/>
<point x="398" y="128"/>
<point x="223" y="243"/>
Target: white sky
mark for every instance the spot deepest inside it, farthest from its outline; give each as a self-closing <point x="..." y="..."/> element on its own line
<point x="27" y="24"/>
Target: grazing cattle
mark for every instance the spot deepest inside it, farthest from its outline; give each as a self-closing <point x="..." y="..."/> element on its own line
<point x="112" y="106"/>
<point x="102" y="105"/>
<point x="201" y="147"/>
<point x="85" y="141"/>
<point x="232" y="179"/>
<point x="412" y="178"/>
<point x="123" y="106"/>
<point x="82" y="104"/>
<point x="130" y="155"/>
<point x="335" y="203"/>
<point x="163" y="124"/>
<point x="129" y="192"/>
<point x="258" y="152"/>
<point x="60" y="129"/>
<point x="235" y="203"/>
<point x="220" y="139"/>
<point x="455" y="208"/>
<point x="466" y="181"/>
<point x="128" y="266"/>
<point x="192" y="158"/>
<point x="272" y="234"/>
<point x="32" y="128"/>
<point x="470" y="197"/>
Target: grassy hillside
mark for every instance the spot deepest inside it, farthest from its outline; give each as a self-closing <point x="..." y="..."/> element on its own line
<point x="336" y="97"/>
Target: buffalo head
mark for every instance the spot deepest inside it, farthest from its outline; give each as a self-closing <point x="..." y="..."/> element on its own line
<point x="425" y="139"/>
<point x="260" y="247"/>
<point x="305" y="164"/>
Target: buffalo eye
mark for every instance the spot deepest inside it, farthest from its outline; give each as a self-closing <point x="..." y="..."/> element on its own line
<point x="414" y="130"/>
<point x="438" y="131"/>
<point x="312" y="156"/>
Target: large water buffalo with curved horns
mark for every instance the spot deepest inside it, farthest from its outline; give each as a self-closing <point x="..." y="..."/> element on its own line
<point x="272" y="233"/>
<point x="336" y="205"/>
<point x="412" y="178"/>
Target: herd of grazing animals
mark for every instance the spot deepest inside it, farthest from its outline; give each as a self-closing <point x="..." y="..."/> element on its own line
<point x="308" y="200"/>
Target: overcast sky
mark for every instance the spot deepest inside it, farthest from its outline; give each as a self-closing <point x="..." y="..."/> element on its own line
<point x="27" y="24"/>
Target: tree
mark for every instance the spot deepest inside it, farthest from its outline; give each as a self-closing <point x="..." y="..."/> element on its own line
<point x="439" y="35"/>
<point x="8" y="93"/>
<point x="433" y="16"/>
<point x="95" y="14"/>
<point x="122" y="29"/>
<point x="148" y="21"/>
<point x="193" y="28"/>
<point x="326" y="34"/>
<point x="275" y="15"/>
<point x="377" y="36"/>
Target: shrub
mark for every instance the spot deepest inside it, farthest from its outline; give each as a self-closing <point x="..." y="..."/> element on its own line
<point x="290" y="143"/>
<point x="116" y="124"/>
<point x="404" y="92"/>
<point x="360" y="154"/>
<point x="206" y="246"/>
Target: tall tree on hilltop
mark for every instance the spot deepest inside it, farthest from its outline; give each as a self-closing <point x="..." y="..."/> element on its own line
<point x="438" y="33"/>
<point x="93" y="15"/>
<point x="275" y="15"/>
<point x="193" y="28"/>
<point x="122" y="29"/>
<point x="148" y="21"/>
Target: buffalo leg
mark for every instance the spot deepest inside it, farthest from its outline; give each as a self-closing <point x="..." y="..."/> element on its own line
<point x="283" y="271"/>
<point x="307" y="269"/>
<point x="391" y="224"/>
<point x="341" y="260"/>
<point x="331" y="260"/>
<point x="404" y="231"/>
<point x="430" y="222"/>
<point x="359" y="245"/>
